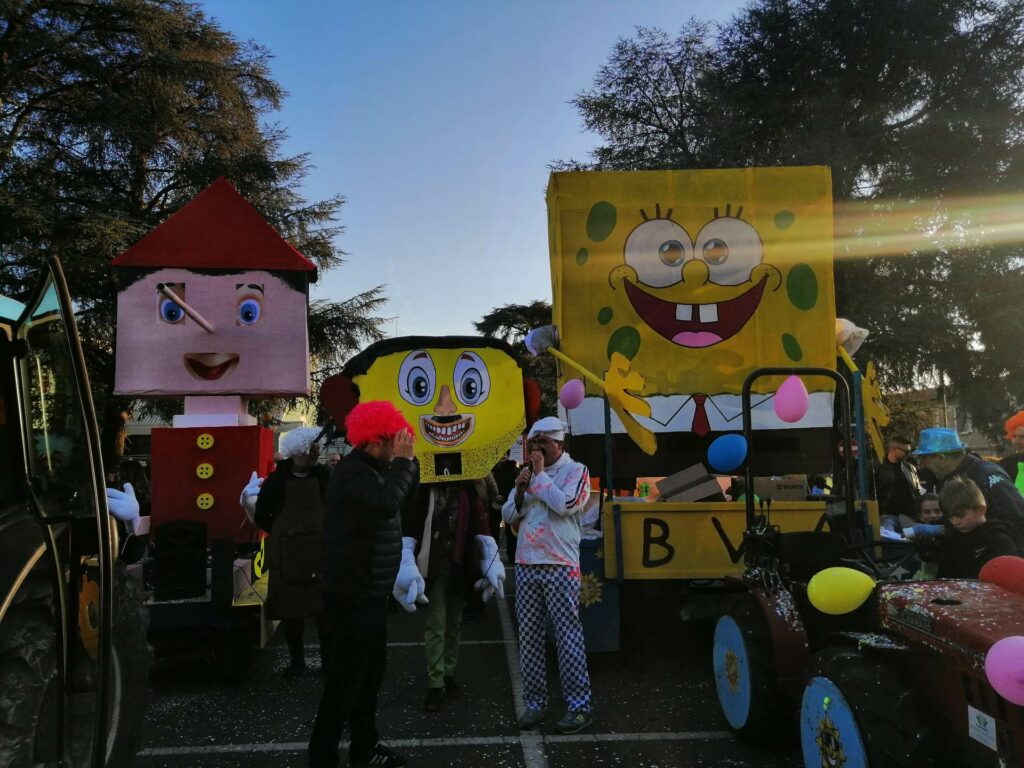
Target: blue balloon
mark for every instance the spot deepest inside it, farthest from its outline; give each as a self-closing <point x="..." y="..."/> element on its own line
<point x="727" y="453"/>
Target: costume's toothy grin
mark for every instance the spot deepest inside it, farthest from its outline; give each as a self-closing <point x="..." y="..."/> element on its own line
<point x="446" y="431"/>
<point x="210" y="366"/>
<point x="713" y="322"/>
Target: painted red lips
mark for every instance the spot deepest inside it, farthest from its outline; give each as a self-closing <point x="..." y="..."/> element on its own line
<point x="210" y="366"/>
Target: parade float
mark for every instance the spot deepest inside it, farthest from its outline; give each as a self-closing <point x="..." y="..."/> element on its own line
<point x="213" y="310"/>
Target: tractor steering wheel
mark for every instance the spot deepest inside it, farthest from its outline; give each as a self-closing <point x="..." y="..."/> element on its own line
<point x="882" y="568"/>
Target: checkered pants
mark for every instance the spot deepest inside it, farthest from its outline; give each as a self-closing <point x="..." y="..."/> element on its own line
<point x="544" y="591"/>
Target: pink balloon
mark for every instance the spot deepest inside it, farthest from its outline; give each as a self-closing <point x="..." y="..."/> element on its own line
<point x="791" y="400"/>
<point x="1004" y="668"/>
<point x="571" y="394"/>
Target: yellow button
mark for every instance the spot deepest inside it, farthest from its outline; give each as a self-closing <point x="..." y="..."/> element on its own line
<point x="205" y="441"/>
<point x="204" y="471"/>
<point x="204" y="500"/>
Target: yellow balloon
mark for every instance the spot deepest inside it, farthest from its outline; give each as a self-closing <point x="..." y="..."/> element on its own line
<point x="839" y="590"/>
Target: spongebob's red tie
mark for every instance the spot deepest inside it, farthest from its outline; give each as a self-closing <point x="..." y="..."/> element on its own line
<point x="700" y="426"/>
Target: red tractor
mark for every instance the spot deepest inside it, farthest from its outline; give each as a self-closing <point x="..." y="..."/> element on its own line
<point x="899" y="681"/>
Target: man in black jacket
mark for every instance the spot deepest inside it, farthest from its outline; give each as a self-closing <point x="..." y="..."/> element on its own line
<point x="363" y="547"/>
<point x="896" y="485"/>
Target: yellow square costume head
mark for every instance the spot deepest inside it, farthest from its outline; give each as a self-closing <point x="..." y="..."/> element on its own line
<point x="697" y="278"/>
<point x="463" y="395"/>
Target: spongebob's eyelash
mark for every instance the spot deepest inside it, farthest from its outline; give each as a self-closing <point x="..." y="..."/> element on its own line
<point x="728" y="213"/>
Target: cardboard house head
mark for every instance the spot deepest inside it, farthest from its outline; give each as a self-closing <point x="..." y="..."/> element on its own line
<point x="214" y="302"/>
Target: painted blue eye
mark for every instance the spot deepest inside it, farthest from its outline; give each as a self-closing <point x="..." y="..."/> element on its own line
<point x="249" y="311"/>
<point x="170" y="312"/>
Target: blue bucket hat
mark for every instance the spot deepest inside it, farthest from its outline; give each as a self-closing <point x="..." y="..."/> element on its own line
<point x="938" y="440"/>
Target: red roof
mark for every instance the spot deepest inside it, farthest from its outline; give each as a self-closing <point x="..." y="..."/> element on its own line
<point x="217" y="229"/>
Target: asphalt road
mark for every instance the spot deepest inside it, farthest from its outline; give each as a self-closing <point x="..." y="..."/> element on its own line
<point x="654" y="702"/>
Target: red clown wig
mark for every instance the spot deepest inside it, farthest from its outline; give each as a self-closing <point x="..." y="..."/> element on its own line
<point x="373" y="421"/>
<point x="1011" y="424"/>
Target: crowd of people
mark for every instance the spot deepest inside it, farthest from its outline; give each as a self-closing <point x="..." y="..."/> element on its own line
<point x="969" y="507"/>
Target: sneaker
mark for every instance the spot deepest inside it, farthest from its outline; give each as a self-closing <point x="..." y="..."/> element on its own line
<point x="531" y="718"/>
<point x="574" y="722"/>
<point x="452" y="690"/>
<point x="434" y="700"/>
<point x="380" y="757"/>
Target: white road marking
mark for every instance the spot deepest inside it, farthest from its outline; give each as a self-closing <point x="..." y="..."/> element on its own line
<point x="413" y="644"/>
<point x="531" y="741"/>
<point x="463" y="741"/>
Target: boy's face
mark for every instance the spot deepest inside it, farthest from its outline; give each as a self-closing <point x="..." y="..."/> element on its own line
<point x="967" y="520"/>
<point x="930" y="512"/>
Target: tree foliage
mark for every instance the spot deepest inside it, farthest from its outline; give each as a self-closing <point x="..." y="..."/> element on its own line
<point x="112" y="116"/>
<point x="511" y="323"/>
<point x="916" y="107"/>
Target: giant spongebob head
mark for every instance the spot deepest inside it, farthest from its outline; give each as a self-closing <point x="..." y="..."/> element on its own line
<point x="698" y="278"/>
<point x="464" y="395"/>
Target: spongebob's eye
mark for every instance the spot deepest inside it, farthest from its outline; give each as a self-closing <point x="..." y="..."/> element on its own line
<point x="657" y="250"/>
<point x="472" y="381"/>
<point x="672" y="253"/>
<point x="170" y="312"/>
<point x="416" y="378"/>
<point x="715" y="251"/>
<point x="249" y="312"/>
<point x="731" y="248"/>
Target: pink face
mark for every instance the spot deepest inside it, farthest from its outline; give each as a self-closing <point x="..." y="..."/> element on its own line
<point x="249" y="337"/>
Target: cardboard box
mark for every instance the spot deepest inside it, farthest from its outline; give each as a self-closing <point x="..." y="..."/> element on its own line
<point x="788" y="488"/>
<point x="673" y="484"/>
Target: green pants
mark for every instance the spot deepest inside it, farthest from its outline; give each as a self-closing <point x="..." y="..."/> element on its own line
<point x="443" y="627"/>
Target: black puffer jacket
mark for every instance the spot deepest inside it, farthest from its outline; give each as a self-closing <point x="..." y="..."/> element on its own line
<point x="363" y="523"/>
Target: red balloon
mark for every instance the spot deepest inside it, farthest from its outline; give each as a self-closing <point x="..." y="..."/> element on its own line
<point x="1007" y="571"/>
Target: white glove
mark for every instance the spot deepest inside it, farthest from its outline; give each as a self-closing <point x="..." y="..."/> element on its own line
<point x="492" y="569"/>
<point x="249" y="494"/>
<point x="409" y="584"/>
<point x="123" y="505"/>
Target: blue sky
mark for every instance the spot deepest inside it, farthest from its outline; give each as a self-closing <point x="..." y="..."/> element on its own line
<point x="437" y="121"/>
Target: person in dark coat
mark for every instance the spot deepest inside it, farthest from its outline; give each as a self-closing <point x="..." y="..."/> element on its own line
<point x="976" y="540"/>
<point x="897" y="484"/>
<point x="290" y="507"/>
<point x="366" y="496"/>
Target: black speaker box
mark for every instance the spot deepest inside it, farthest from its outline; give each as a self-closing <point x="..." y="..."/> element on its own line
<point x="222" y="565"/>
<point x="180" y="560"/>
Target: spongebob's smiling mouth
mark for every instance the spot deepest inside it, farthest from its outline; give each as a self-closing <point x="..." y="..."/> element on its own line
<point x="695" y="325"/>
<point x="446" y="431"/>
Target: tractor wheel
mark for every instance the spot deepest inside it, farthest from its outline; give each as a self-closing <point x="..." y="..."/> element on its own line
<point x="745" y="676"/>
<point x="28" y="673"/>
<point x="855" y="713"/>
<point x="129" y="679"/>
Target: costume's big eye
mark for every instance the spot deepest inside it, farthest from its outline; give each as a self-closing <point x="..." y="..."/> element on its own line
<point x="472" y="380"/>
<point x="731" y="248"/>
<point x="248" y="312"/>
<point x="416" y="378"/>
<point x="657" y="250"/>
<point x="170" y="312"/>
<point x="672" y="253"/>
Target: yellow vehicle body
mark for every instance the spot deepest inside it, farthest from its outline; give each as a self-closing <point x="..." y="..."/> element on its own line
<point x="666" y="540"/>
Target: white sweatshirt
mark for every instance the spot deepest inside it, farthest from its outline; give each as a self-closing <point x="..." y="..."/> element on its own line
<point x="549" y="528"/>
